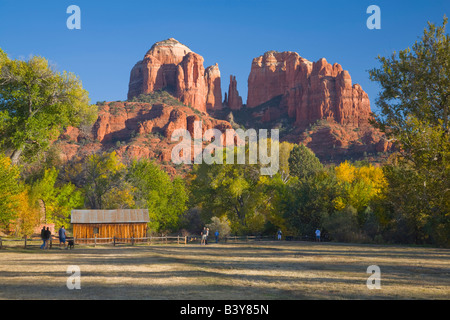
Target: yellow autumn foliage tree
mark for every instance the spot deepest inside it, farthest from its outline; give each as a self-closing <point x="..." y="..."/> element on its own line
<point x="27" y="214"/>
<point x="359" y="185"/>
<point x="10" y="188"/>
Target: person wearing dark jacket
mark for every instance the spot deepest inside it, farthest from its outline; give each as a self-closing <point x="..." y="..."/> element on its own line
<point x="43" y="237"/>
<point x="47" y="236"/>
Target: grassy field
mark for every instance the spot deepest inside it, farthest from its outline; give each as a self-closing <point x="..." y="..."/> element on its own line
<point x="259" y="270"/>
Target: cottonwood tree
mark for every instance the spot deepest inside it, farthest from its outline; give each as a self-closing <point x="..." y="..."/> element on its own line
<point x="57" y="197"/>
<point x="104" y="182"/>
<point x="414" y="107"/>
<point x="36" y="104"/>
<point x="10" y="188"/>
<point x="165" y="198"/>
<point x="238" y="191"/>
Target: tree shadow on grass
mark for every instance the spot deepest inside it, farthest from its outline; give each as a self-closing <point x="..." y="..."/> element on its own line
<point x="208" y="272"/>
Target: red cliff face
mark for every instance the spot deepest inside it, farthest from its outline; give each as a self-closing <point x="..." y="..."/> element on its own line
<point x="214" y="88"/>
<point x="172" y="66"/>
<point x="137" y="130"/>
<point x="191" y="85"/>
<point x="158" y="68"/>
<point x="233" y="100"/>
<point x="309" y="91"/>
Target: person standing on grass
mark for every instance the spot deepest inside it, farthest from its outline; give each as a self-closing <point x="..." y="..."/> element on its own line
<point x="207" y="235"/>
<point x="47" y="236"/>
<point x="62" y="236"/>
<point x="43" y="237"/>
<point x="318" y="235"/>
<point x="203" y="234"/>
<point x="279" y="234"/>
<point x="217" y="235"/>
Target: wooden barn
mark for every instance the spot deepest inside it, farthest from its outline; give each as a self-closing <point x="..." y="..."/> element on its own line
<point x="120" y="223"/>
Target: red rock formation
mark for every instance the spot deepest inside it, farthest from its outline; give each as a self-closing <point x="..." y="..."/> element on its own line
<point x="214" y="89"/>
<point x="309" y="91"/>
<point x="288" y="85"/>
<point x="177" y="120"/>
<point x="158" y="68"/>
<point x="191" y="85"/>
<point x="233" y="100"/>
<point x="173" y="66"/>
<point x="136" y="130"/>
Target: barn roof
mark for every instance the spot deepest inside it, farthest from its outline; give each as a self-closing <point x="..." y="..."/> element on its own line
<point x="110" y="216"/>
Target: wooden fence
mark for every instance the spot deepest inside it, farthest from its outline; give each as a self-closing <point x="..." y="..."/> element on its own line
<point x="115" y="241"/>
<point x="27" y="242"/>
<point x="166" y="240"/>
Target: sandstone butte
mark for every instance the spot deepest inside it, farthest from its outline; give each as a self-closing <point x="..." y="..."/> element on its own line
<point x="233" y="100"/>
<point x="172" y="66"/>
<point x="325" y="111"/>
<point x="328" y="113"/>
<point x="309" y="91"/>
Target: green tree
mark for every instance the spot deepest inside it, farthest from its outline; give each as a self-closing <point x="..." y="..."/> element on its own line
<point x="308" y="202"/>
<point x="343" y="225"/>
<point x="232" y="190"/>
<point x="284" y="154"/>
<point x="415" y="83"/>
<point x="58" y="198"/>
<point x="164" y="198"/>
<point x="303" y="162"/>
<point x="104" y="178"/>
<point x="36" y="104"/>
<point x="414" y="104"/>
<point x="277" y="191"/>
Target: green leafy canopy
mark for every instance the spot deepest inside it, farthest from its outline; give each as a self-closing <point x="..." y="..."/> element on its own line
<point x="36" y="104"/>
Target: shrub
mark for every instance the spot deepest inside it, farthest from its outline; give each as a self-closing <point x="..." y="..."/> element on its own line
<point x="220" y="224"/>
<point x="343" y="225"/>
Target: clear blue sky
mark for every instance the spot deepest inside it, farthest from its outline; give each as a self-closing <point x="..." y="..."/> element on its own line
<point x="114" y="35"/>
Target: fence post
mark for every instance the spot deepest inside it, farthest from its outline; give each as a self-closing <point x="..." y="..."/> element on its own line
<point x="132" y="241"/>
<point x="185" y="239"/>
<point x="114" y="241"/>
<point x="95" y="241"/>
<point x="178" y="239"/>
<point x="25" y="242"/>
<point x="1" y="243"/>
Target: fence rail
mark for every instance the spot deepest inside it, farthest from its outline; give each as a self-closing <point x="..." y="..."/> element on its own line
<point x="97" y="240"/>
<point x="27" y="242"/>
